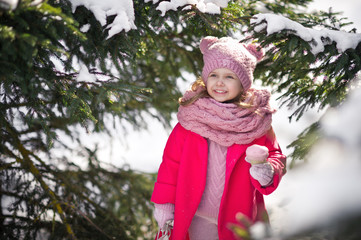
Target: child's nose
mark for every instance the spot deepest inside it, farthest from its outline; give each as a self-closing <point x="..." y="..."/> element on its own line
<point x="220" y="82"/>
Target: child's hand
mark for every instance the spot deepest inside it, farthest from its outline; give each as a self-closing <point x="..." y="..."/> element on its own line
<point x="261" y="170"/>
<point x="163" y="213"/>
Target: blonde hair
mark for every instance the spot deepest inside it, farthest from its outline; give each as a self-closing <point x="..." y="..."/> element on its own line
<point x="199" y="84"/>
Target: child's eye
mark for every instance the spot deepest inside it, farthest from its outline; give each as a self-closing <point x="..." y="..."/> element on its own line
<point x="212" y="75"/>
<point x="230" y="77"/>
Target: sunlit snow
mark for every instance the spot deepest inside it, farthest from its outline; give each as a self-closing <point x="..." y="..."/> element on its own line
<point x="328" y="187"/>
<point x="123" y="11"/>
<point x="317" y="38"/>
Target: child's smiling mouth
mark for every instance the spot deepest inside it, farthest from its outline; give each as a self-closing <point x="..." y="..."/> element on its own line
<point x="220" y="91"/>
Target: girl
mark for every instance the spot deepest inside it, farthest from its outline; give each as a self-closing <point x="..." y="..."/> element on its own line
<point x="222" y="156"/>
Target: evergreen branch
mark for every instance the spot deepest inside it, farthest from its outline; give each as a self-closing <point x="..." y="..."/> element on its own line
<point x="22" y="218"/>
<point x="4" y="165"/>
<point x="28" y="164"/>
<point x="304" y="142"/>
<point x="89" y="220"/>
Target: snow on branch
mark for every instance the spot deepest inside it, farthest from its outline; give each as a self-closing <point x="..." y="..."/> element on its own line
<point x="318" y="39"/>
<point x="123" y="10"/>
<point x="205" y="6"/>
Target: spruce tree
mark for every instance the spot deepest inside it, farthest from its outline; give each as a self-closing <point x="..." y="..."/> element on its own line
<point x="44" y="193"/>
<point x="44" y="103"/>
<point x="308" y="79"/>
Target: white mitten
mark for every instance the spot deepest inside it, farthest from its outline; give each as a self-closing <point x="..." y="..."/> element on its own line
<point x="261" y="170"/>
<point x="163" y="213"/>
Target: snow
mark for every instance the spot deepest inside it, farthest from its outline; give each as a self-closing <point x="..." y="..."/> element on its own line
<point x="318" y="39"/>
<point x="205" y="6"/>
<point x="85" y="28"/>
<point x="123" y="10"/>
<point x="84" y="75"/>
<point x="327" y="188"/>
<point x="124" y="20"/>
<point x="9" y="4"/>
<point x="348" y="8"/>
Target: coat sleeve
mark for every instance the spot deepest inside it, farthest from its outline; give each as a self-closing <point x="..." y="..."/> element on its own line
<point x="278" y="161"/>
<point x="165" y="186"/>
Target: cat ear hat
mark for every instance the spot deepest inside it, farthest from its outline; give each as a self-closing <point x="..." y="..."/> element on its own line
<point x="228" y="53"/>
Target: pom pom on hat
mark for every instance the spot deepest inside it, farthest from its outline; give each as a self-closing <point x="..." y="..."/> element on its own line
<point x="228" y="53"/>
<point x="256" y="51"/>
<point x="206" y="43"/>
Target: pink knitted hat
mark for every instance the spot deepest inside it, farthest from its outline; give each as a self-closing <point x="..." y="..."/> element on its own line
<point x="228" y="53"/>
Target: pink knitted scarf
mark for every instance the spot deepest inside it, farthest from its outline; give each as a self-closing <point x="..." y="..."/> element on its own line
<point x="227" y="123"/>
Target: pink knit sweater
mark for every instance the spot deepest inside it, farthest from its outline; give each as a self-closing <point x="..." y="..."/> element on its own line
<point x="216" y="170"/>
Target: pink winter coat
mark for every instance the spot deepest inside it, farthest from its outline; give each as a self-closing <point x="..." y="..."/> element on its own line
<point x="182" y="177"/>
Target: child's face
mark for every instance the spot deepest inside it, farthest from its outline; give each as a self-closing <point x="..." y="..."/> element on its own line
<point x="223" y="85"/>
